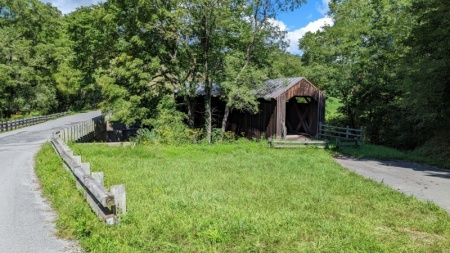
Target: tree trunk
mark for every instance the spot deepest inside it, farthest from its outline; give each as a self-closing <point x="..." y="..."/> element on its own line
<point x="208" y="110"/>
<point x="190" y="110"/>
<point x="225" y="119"/>
<point x="208" y="83"/>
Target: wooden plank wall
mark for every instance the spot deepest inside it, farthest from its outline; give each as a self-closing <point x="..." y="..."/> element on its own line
<point x="302" y="89"/>
<point x="271" y="119"/>
<point x="317" y="110"/>
<point x="262" y="124"/>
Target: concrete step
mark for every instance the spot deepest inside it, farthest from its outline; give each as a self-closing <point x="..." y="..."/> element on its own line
<point x="300" y="142"/>
<point x="298" y="146"/>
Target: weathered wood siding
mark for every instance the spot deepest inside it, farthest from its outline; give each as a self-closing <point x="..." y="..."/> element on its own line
<point x="262" y="124"/>
<point x="275" y="113"/>
<point x="316" y="111"/>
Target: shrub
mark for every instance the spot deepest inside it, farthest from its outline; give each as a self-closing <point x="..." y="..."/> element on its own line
<point x="168" y="127"/>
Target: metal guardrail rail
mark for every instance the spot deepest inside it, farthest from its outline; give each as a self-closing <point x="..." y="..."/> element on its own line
<point x="19" y="123"/>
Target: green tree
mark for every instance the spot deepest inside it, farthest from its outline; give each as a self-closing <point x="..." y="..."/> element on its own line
<point x="29" y="56"/>
<point x="93" y="34"/>
<point x="359" y="58"/>
<point x="236" y="41"/>
<point x="425" y="75"/>
<point x="128" y="94"/>
<point x="178" y="45"/>
<point x="285" y="64"/>
<point x="131" y="78"/>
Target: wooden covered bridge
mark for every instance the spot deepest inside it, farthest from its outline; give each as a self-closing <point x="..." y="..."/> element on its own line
<point x="286" y="106"/>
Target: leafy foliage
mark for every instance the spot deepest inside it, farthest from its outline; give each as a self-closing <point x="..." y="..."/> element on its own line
<point x="29" y="56"/>
<point x="426" y="79"/>
<point x="361" y="53"/>
<point x="169" y="126"/>
<point x="128" y="95"/>
<point x="385" y="61"/>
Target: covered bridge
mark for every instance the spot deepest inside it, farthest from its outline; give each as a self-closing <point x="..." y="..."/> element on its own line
<point x="286" y="106"/>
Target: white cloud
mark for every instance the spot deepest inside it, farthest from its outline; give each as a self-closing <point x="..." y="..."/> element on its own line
<point x="67" y="6"/>
<point x="294" y="36"/>
<point x="278" y="23"/>
<point x="323" y="8"/>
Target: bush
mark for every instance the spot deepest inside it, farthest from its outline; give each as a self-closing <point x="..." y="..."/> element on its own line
<point x="168" y="127"/>
<point x="145" y="136"/>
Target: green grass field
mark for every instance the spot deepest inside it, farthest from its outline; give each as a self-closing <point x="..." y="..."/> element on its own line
<point x="332" y="106"/>
<point x="241" y="197"/>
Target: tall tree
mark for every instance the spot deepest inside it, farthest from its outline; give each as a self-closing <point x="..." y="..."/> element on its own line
<point x="359" y="57"/>
<point x="247" y="63"/>
<point x="132" y="81"/>
<point x="29" y="56"/>
<point x="93" y="33"/>
<point x="425" y="76"/>
<point x="240" y="32"/>
<point x="182" y="44"/>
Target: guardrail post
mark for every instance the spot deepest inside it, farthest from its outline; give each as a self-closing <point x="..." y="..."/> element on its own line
<point x="98" y="177"/>
<point x="77" y="159"/>
<point x="120" y="196"/>
<point x="86" y="168"/>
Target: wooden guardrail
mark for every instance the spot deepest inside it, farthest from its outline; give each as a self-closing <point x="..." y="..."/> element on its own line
<point x="341" y="134"/>
<point x="83" y="132"/>
<point x="107" y="205"/>
<point x="19" y="123"/>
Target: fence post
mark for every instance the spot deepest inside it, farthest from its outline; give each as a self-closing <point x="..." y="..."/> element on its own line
<point x="346" y="132"/>
<point x="362" y="135"/>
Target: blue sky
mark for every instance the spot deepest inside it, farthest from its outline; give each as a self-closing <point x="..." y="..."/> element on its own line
<point x="310" y="17"/>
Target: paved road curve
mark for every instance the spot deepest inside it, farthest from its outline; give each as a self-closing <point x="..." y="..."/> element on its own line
<point x="424" y="182"/>
<point x="26" y="220"/>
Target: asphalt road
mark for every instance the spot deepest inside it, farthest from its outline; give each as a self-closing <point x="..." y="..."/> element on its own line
<point x="26" y="219"/>
<point x="422" y="181"/>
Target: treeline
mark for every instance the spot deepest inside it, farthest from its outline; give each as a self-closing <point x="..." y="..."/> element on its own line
<point x="126" y="55"/>
<point x="389" y="63"/>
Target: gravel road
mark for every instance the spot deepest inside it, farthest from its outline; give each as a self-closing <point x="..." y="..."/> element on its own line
<point x="26" y="219"/>
<point x="424" y="182"/>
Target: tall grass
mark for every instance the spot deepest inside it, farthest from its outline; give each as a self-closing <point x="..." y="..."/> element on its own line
<point x="240" y="197"/>
<point x="386" y="153"/>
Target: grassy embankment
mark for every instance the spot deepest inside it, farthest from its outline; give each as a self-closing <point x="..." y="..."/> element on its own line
<point x="240" y="197"/>
<point x="430" y="153"/>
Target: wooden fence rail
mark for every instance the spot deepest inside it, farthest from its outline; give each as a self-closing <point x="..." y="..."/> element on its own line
<point x="19" y="123"/>
<point x="107" y="205"/>
<point x="341" y="134"/>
